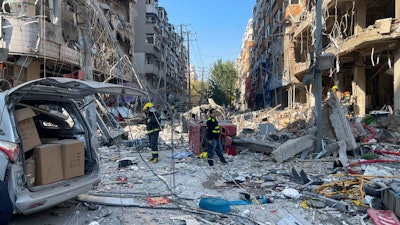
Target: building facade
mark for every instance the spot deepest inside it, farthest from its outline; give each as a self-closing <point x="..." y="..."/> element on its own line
<point x="242" y="64"/>
<point x="80" y="39"/>
<point x="160" y="54"/>
<point x="268" y="79"/>
<point x="362" y="37"/>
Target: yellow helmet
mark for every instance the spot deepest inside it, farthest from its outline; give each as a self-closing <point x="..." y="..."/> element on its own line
<point x="147" y="106"/>
<point x="334" y="88"/>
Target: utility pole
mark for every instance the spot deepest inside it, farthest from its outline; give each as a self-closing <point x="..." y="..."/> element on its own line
<point x="317" y="74"/>
<point x="202" y="85"/>
<point x="188" y="66"/>
<point x="188" y="62"/>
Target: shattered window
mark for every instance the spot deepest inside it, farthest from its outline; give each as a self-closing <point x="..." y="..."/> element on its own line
<point x="56" y="117"/>
<point x="150" y="38"/>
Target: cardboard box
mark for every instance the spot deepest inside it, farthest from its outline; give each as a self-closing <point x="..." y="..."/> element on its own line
<point x="48" y="163"/>
<point x="27" y="129"/>
<point x="73" y="157"/>
<point x="48" y="140"/>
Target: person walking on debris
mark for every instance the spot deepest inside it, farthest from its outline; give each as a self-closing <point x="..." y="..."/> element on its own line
<point x="153" y="128"/>
<point x="213" y="139"/>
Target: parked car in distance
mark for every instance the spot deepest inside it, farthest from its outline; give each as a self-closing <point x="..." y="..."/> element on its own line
<point x="48" y="146"/>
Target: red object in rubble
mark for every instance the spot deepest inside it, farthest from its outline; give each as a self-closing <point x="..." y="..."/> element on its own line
<point x="198" y="141"/>
<point x="79" y="74"/>
<point x="195" y="137"/>
<point x="383" y="217"/>
<point x="121" y="179"/>
<point x="227" y="140"/>
<point x="386" y="152"/>
<point x="230" y="150"/>
<point x="228" y="129"/>
<point x="373" y="132"/>
<point x="351" y="171"/>
<point x="157" y="200"/>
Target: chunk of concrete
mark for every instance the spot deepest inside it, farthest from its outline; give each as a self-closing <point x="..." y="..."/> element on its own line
<point x="292" y="147"/>
<point x="266" y="128"/>
<point x="340" y="123"/>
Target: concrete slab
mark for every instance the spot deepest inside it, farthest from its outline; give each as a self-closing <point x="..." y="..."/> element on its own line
<point x="292" y="147"/>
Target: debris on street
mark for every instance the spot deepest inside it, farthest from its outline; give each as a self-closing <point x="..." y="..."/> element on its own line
<point x="287" y="184"/>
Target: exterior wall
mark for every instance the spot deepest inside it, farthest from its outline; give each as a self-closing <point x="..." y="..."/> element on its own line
<point x="111" y="51"/>
<point x="356" y="49"/>
<point x="59" y="44"/>
<point x="267" y="57"/>
<point x="283" y="62"/>
<point x="21" y="40"/>
<point x="161" y="61"/>
<point x="243" y="66"/>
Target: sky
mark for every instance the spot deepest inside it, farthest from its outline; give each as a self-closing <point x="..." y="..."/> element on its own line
<point x="216" y="27"/>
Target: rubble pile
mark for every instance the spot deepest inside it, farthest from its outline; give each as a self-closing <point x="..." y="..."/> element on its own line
<point x="290" y="184"/>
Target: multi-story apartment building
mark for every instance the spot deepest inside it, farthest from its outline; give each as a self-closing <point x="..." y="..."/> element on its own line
<point x="160" y="54"/>
<point x="82" y="39"/>
<point x="364" y="38"/>
<point x="119" y="41"/>
<point x="268" y="79"/>
<point x="242" y="64"/>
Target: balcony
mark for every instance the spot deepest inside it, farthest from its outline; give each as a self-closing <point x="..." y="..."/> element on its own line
<point x="20" y="36"/>
<point x="151" y="68"/>
<point x="151" y="8"/>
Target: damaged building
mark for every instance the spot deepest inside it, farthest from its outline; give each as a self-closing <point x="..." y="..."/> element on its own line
<point x="94" y="40"/>
<point x="363" y="37"/>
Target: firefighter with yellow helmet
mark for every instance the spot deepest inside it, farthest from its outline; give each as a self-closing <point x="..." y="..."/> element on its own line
<point x="153" y="128"/>
<point x="336" y="91"/>
<point x="347" y="103"/>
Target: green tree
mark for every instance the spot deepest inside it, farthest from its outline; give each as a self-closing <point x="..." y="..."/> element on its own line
<point x="222" y="82"/>
<point x="200" y="91"/>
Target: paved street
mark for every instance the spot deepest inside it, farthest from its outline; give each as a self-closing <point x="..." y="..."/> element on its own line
<point x="190" y="178"/>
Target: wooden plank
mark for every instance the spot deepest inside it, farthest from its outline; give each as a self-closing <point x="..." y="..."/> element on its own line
<point x="103" y="200"/>
<point x="260" y="117"/>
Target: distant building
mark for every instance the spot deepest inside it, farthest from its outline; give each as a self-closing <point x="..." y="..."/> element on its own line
<point x="242" y="64"/>
<point x="160" y="54"/>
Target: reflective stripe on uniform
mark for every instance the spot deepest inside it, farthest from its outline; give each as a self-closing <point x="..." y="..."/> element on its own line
<point x="151" y="131"/>
<point x="216" y="128"/>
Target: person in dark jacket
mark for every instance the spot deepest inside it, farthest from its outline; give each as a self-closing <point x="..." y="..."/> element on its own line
<point x="214" y="143"/>
<point x="6" y="206"/>
<point x="153" y="128"/>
